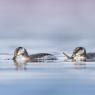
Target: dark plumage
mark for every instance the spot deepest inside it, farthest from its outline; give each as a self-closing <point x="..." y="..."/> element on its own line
<point x="21" y="54"/>
<point x="79" y="54"/>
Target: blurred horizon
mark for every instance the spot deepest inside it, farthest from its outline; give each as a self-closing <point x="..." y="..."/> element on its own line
<point x="47" y="19"/>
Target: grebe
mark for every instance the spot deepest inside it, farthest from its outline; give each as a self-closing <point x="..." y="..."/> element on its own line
<point x="79" y="54"/>
<point x="21" y="56"/>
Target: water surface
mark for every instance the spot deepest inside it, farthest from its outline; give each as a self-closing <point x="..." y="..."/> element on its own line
<point x="53" y="78"/>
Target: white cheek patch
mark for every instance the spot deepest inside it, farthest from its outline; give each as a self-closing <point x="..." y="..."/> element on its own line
<point x="80" y="52"/>
<point x="21" y="51"/>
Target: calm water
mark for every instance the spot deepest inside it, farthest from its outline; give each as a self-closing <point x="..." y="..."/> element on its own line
<point x="57" y="78"/>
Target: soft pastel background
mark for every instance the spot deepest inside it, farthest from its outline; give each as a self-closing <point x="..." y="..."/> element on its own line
<point x="54" y="21"/>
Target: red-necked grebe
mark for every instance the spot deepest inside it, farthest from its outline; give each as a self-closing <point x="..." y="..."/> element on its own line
<point x="79" y="54"/>
<point x="21" y="56"/>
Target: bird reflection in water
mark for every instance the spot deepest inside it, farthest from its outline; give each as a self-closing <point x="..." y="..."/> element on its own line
<point x="21" y="57"/>
<point x="79" y="65"/>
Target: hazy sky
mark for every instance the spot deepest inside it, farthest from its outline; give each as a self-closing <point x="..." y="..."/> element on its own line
<point x="57" y="19"/>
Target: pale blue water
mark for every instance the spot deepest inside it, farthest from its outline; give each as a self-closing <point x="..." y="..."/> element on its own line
<point x="57" y="78"/>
